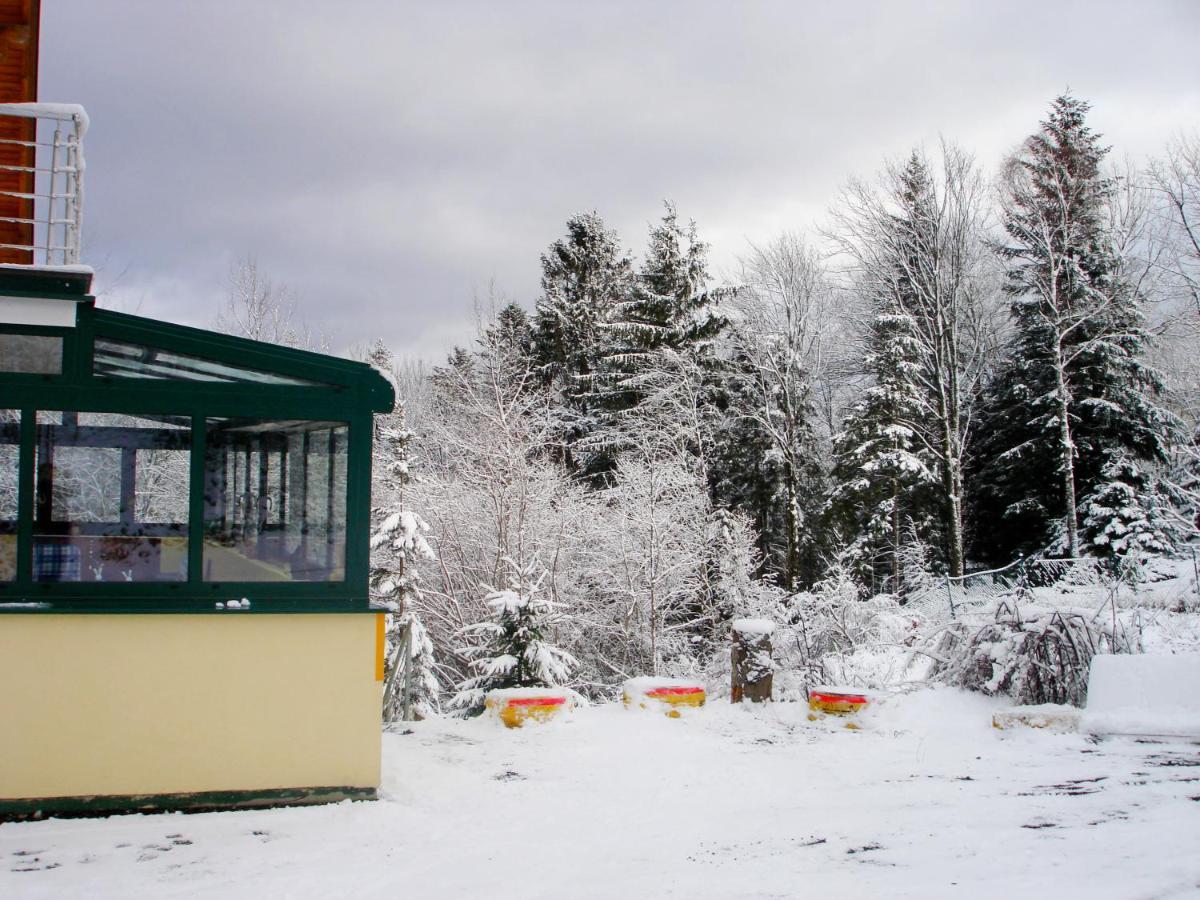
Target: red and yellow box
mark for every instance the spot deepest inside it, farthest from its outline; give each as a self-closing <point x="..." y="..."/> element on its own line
<point x="834" y="701"/>
<point x="671" y="695"/>
<point x="517" y="706"/>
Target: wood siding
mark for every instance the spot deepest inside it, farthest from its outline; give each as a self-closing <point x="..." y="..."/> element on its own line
<point x="18" y="84"/>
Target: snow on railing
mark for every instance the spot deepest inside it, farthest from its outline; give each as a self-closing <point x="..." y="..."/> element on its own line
<point x="57" y="170"/>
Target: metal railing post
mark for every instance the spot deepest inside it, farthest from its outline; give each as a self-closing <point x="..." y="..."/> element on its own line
<point x="55" y="203"/>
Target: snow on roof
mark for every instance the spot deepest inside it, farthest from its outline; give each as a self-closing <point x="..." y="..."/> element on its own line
<point x="70" y="269"/>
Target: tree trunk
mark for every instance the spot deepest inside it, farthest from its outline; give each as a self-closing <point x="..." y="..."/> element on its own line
<point x="895" y="585"/>
<point x="1067" y="449"/>
<point x="792" y="523"/>
<point x="951" y="488"/>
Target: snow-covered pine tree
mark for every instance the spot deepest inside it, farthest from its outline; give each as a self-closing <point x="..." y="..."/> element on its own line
<point x="745" y="472"/>
<point x="515" y="651"/>
<point x="585" y="277"/>
<point x="781" y="327"/>
<point x="1074" y="396"/>
<point x="668" y="307"/>
<point x="511" y="333"/>
<point x="1128" y="516"/>
<point x="916" y="245"/>
<point x="883" y="474"/>
<point x="398" y="543"/>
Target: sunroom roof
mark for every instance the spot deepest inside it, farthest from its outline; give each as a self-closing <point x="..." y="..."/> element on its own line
<point x="117" y="359"/>
<point x="134" y="348"/>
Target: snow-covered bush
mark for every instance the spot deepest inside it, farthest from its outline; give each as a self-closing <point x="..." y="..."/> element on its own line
<point x="833" y="634"/>
<point x="515" y="651"/>
<point x="1041" y="656"/>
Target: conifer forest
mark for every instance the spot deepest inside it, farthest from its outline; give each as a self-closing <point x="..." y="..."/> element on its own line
<point x="954" y="371"/>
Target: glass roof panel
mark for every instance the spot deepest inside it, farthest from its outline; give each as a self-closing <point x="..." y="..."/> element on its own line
<point x="116" y="359"/>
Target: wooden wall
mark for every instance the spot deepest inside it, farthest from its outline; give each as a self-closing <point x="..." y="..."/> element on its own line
<point x="19" y="21"/>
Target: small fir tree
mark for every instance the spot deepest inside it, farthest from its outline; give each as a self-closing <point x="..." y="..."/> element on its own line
<point x="515" y="652"/>
<point x="398" y="544"/>
<point x="1127" y="517"/>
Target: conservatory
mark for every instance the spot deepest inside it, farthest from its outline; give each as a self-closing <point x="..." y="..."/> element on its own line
<point x="184" y="618"/>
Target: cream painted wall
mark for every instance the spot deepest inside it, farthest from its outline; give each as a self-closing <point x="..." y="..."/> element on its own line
<point x="164" y="704"/>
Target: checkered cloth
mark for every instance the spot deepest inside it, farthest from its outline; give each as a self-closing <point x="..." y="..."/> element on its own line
<point x="55" y="562"/>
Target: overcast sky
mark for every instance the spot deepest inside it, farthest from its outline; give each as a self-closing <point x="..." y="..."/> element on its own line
<point x="389" y="159"/>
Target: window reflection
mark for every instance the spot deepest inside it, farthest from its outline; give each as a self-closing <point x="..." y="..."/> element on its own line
<point x="10" y="445"/>
<point x="31" y="354"/>
<point x="116" y="359"/>
<point x="274" y="500"/>
<point x="112" y="497"/>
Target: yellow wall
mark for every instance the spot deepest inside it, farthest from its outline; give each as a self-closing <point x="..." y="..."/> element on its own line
<point x="164" y="704"/>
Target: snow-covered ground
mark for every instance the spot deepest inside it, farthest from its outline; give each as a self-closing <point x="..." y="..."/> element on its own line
<point x="926" y="801"/>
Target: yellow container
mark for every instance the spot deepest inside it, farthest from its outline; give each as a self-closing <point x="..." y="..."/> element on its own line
<point x="1051" y="717"/>
<point x="823" y="701"/>
<point x="517" y="706"/>
<point x="670" y="695"/>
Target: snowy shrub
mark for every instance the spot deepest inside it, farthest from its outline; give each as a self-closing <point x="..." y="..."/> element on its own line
<point x="1041" y="657"/>
<point x="515" y="652"/>
<point x="840" y="637"/>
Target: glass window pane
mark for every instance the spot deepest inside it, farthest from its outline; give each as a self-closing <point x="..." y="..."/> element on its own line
<point x="10" y="447"/>
<point x="274" y="500"/>
<point x="115" y="359"/>
<point x="32" y="354"/>
<point x="112" y="497"/>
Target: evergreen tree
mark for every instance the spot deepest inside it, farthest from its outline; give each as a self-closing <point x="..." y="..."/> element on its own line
<point x="1074" y="397"/>
<point x="511" y="331"/>
<point x="745" y="472"/>
<point x="662" y="361"/>
<point x="882" y="472"/>
<point x="668" y="307"/>
<point x="586" y="276"/>
<point x="916" y="244"/>
<point x="515" y="652"/>
<point x="1127" y="517"/>
<point x="398" y="545"/>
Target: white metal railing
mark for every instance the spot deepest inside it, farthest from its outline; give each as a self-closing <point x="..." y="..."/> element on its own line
<point x="57" y="170"/>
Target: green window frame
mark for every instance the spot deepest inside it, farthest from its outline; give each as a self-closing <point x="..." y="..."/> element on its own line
<point x="281" y="385"/>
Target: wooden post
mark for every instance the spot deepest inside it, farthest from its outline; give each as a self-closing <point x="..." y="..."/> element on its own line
<point x="752" y="668"/>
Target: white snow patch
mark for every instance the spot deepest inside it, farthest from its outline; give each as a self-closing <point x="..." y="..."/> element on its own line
<point x="753" y="626"/>
<point x="1144" y="694"/>
<point x="927" y="800"/>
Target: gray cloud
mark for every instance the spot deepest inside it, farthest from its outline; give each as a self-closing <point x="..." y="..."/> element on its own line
<point x="388" y="159"/>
